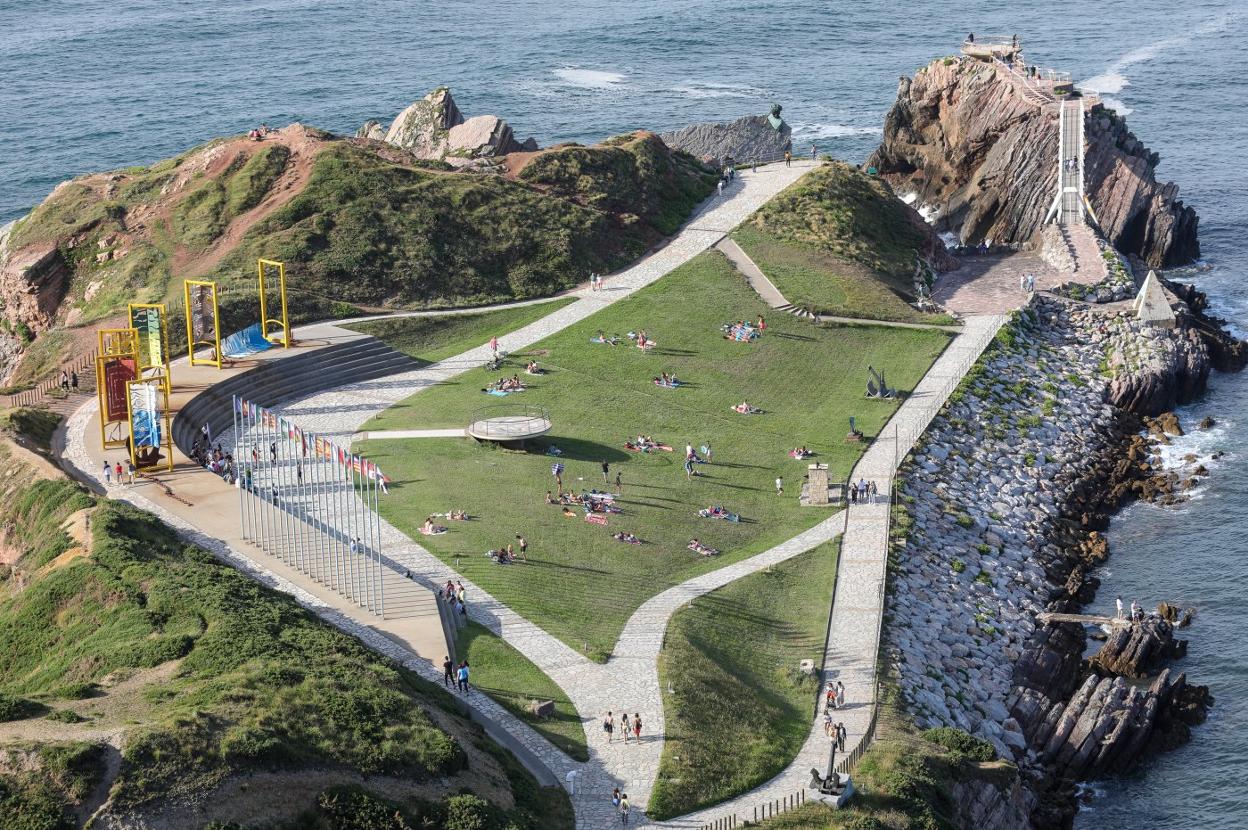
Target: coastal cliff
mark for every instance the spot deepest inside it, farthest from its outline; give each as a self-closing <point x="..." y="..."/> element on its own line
<point x="981" y="156"/>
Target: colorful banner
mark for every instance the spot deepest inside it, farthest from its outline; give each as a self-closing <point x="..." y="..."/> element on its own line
<point x="145" y="415"/>
<point x="148" y="322"/>
<point x="117" y="372"/>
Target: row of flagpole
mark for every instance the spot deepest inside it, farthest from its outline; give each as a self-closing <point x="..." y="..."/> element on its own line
<point x="310" y="503"/>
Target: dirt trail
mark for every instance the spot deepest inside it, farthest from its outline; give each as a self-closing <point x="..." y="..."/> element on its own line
<point x="303" y="146"/>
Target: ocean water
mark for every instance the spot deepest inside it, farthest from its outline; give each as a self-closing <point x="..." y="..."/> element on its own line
<point x="88" y="85"/>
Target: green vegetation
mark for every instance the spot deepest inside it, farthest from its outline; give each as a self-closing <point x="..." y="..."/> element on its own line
<point x="839" y="242"/>
<point x="582" y="585"/>
<point x="39" y="784"/>
<point x="905" y="781"/>
<point x="369" y="230"/>
<point x="741" y="709"/>
<point x="430" y="339"/>
<point x="227" y="676"/>
<point x="36" y="425"/>
<point x="513" y="680"/>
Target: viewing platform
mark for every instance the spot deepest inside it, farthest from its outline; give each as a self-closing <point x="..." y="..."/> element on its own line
<point x="506" y="423"/>
<point x="1039" y="84"/>
<point x="993" y="47"/>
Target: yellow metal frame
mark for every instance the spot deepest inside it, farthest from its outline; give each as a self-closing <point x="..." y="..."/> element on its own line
<point x="215" y="360"/>
<point x="123" y="341"/>
<point x="101" y="390"/>
<point x="163" y="333"/>
<point x="284" y="340"/>
<point x="166" y="437"/>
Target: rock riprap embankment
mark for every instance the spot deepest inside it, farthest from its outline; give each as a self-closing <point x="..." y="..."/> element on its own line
<point x="1004" y="504"/>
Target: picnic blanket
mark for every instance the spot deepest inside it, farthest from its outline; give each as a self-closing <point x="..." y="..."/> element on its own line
<point x="595" y="518"/>
<point x="719" y="513"/>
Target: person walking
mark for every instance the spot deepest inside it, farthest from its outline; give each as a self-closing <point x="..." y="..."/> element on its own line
<point x="462" y="675"/>
<point x="779" y="485"/>
<point x="637" y="726"/>
<point x="615" y="799"/>
<point x="608" y="725"/>
<point x="840" y="695"/>
<point x="606" y="471"/>
<point x="788" y="158"/>
<point x="64" y="381"/>
<point x="448" y="671"/>
<point x="108" y="473"/>
<point x="624" y="810"/>
<point x="625" y="726"/>
<point x="688" y="468"/>
<point x="707" y="452"/>
<point x="813" y="152"/>
<point x="720" y="187"/>
<point x="619" y="483"/>
<point x="872" y="491"/>
<point x="754" y="166"/>
<point x="494" y="346"/>
<point x="131" y="469"/>
<point x="1135" y="611"/>
<point x="841" y="734"/>
<point x="460" y="593"/>
<point x="73" y="381"/>
<point x="524" y="547"/>
<point x="1118" y="604"/>
<point x="117" y="471"/>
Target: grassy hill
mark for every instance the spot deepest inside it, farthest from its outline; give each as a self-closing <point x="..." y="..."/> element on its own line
<point x="839" y="242"/>
<point x="355" y="222"/>
<point x="136" y="667"/>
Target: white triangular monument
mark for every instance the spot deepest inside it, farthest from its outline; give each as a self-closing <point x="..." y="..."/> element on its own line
<point x="1151" y="305"/>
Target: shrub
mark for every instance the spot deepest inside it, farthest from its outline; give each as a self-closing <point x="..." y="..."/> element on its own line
<point x="964" y="520"/>
<point x="984" y="578"/>
<point x="958" y="566"/>
<point x="17" y="708"/>
<point x="466" y="812"/>
<point x="962" y="744"/>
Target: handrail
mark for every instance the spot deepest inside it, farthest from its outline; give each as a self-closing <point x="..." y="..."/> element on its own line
<point x="39" y="393"/>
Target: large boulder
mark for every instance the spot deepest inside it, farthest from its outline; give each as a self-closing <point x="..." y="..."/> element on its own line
<point x="754" y="137"/>
<point x="434" y="129"/>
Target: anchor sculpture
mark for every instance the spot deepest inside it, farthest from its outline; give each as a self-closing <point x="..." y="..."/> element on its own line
<point x="881" y="391"/>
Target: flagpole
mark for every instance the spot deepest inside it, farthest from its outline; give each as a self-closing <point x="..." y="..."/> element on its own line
<point x="262" y="497"/>
<point x="381" y="568"/>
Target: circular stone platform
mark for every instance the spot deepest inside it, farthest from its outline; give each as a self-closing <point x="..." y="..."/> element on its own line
<point x="509" y="423"/>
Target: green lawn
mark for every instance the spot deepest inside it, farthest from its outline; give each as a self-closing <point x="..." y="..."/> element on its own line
<point x="818" y="281"/>
<point x="510" y="678"/>
<point x="740" y="710"/>
<point x="581" y="585"/>
<point x="431" y="339"/>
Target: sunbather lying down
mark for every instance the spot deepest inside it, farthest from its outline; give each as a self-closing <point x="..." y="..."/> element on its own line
<point x="646" y="443"/>
<point x="745" y="409"/>
<point x="613" y="340"/>
<point x="800" y="452"/>
<point x="626" y="537"/>
<point x="453" y="515"/>
<point x="718" y="512"/>
<point x="701" y="549"/>
<point x="740" y="331"/>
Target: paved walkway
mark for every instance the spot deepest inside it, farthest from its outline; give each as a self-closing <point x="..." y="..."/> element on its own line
<point x="858" y="606"/>
<point x="763" y="287"/>
<point x="630" y="678"/>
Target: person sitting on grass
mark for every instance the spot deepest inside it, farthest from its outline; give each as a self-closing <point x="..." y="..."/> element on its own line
<point x="550" y="499"/>
<point x="430" y="529"/>
<point x="746" y="409"/>
<point x="800" y="452"/>
<point x="531" y="368"/>
<point x="626" y="537"/>
<point x="667" y="381"/>
<point x="567" y="511"/>
<point x="602" y="338"/>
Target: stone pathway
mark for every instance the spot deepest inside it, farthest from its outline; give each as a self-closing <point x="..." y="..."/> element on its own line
<point x="408" y="433"/>
<point x="763" y="287"/>
<point x="858" y="605"/>
<point x="989" y="284"/>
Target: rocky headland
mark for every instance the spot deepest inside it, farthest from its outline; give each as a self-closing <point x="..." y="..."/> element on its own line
<point x="1001" y="515"/>
<point x="745" y="140"/>
<point x="980" y="156"/>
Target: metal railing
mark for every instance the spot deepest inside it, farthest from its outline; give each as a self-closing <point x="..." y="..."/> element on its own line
<point x="762" y="811"/>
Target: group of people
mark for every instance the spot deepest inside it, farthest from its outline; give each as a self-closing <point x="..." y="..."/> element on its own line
<point x="69" y="380"/>
<point x="630" y="727"/>
<point x="835" y="731"/>
<point x="505" y="385"/>
<point x="613" y="340"/>
<point x="800" y="452"/>
<point x="453" y="594"/>
<point x="862" y="492"/>
<point x="742" y="331"/>
<point x="834" y="696"/>
<point x="458" y="675"/>
<point x="1027" y="282"/>
<point x="595" y="282"/>
<point x="114" y="472"/>
<point x="531" y="368"/>
<point x="431" y="529"/>
<point x="258" y="133"/>
<point x="642" y="340"/>
<point x="667" y="381"/>
<point x="718" y="512"/>
<point x="1137" y="613"/>
<point x="646" y="443"/>
<point x="214" y="459"/>
<point x="619" y="800"/>
<point x="510" y="552"/>
<point x="726" y="175"/>
<point x="626" y="537"/>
